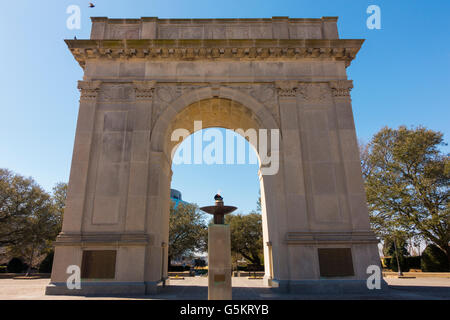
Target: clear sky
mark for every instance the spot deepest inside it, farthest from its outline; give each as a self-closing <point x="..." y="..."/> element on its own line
<point x="401" y="76"/>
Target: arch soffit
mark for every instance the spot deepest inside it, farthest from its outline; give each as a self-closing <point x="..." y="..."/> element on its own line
<point x="164" y="121"/>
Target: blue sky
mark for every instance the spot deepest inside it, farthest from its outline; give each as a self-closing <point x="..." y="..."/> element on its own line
<point x="401" y="76"/>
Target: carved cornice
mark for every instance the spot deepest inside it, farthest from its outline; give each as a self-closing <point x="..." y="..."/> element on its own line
<point x="89" y="89"/>
<point x="227" y="49"/>
<point x="287" y="88"/>
<point x="341" y="88"/>
<point x="144" y="89"/>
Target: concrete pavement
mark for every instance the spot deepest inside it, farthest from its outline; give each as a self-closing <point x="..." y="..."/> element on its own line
<point x="196" y="288"/>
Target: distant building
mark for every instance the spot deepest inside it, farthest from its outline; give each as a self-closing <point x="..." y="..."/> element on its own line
<point x="175" y="196"/>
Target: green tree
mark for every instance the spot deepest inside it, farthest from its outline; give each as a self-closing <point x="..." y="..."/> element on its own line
<point x="407" y="184"/>
<point x="246" y="236"/>
<point x="395" y="246"/>
<point x="187" y="230"/>
<point x="29" y="222"/>
<point x="434" y="260"/>
<point x="389" y="246"/>
<point x="59" y="197"/>
<point x="15" y="191"/>
<point x="20" y="200"/>
<point x="258" y="202"/>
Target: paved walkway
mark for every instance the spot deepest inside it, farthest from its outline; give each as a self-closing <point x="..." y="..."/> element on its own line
<point x="195" y="288"/>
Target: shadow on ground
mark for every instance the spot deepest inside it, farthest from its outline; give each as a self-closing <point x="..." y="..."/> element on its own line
<point x="196" y="288"/>
<point x="425" y="292"/>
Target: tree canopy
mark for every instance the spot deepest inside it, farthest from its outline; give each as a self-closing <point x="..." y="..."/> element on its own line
<point x="407" y="184"/>
<point x="187" y="230"/>
<point x="29" y="217"/>
<point x="246" y="236"/>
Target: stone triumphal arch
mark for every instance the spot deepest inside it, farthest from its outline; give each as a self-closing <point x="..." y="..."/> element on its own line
<point x="145" y="77"/>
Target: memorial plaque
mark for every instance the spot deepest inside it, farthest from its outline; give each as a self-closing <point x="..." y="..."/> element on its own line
<point x="219" y="278"/>
<point x="335" y="262"/>
<point x="98" y="264"/>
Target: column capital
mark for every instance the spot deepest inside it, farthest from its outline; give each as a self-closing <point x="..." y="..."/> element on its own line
<point x="89" y="89"/>
<point x="287" y="89"/>
<point x="144" y="89"/>
<point x="341" y="88"/>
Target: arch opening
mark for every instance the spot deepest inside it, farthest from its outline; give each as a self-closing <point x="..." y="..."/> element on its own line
<point x="210" y="113"/>
<point x="225" y="116"/>
<point x="239" y="185"/>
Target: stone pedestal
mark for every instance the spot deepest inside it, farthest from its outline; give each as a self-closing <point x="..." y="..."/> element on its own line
<point x="219" y="262"/>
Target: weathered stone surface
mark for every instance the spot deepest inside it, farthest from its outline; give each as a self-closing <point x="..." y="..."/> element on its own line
<point x="269" y="28"/>
<point x="219" y="261"/>
<point x="145" y="77"/>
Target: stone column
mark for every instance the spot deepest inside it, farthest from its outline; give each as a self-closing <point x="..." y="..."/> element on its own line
<point x="364" y="245"/>
<point x="219" y="262"/>
<point x="139" y="160"/>
<point x="350" y="154"/>
<point x="157" y="221"/>
<point x="76" y="192"/>
<point x="268" y="229"/>
<point x="148" y="180"/>
<point x="292" y="155"/>
<point x="296" y="217"/>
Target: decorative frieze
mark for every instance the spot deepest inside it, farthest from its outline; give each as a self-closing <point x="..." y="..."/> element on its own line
<point x="116" y="93"/>
<point x="89" y="89"/>
<point x="314" y="92"/>
<point x="144" y="89"/>
<point x="164" y="95"/>
<point x="287" y="88"/>
<point x="267" y="94"/>
<point x="341" y="88"/>
<point x="168" y="93"/>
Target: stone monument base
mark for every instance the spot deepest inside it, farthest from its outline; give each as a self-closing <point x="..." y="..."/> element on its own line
<point x="103" y="288"/>
<point x="323" y="286"/>
<point x="219" y="262"/>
